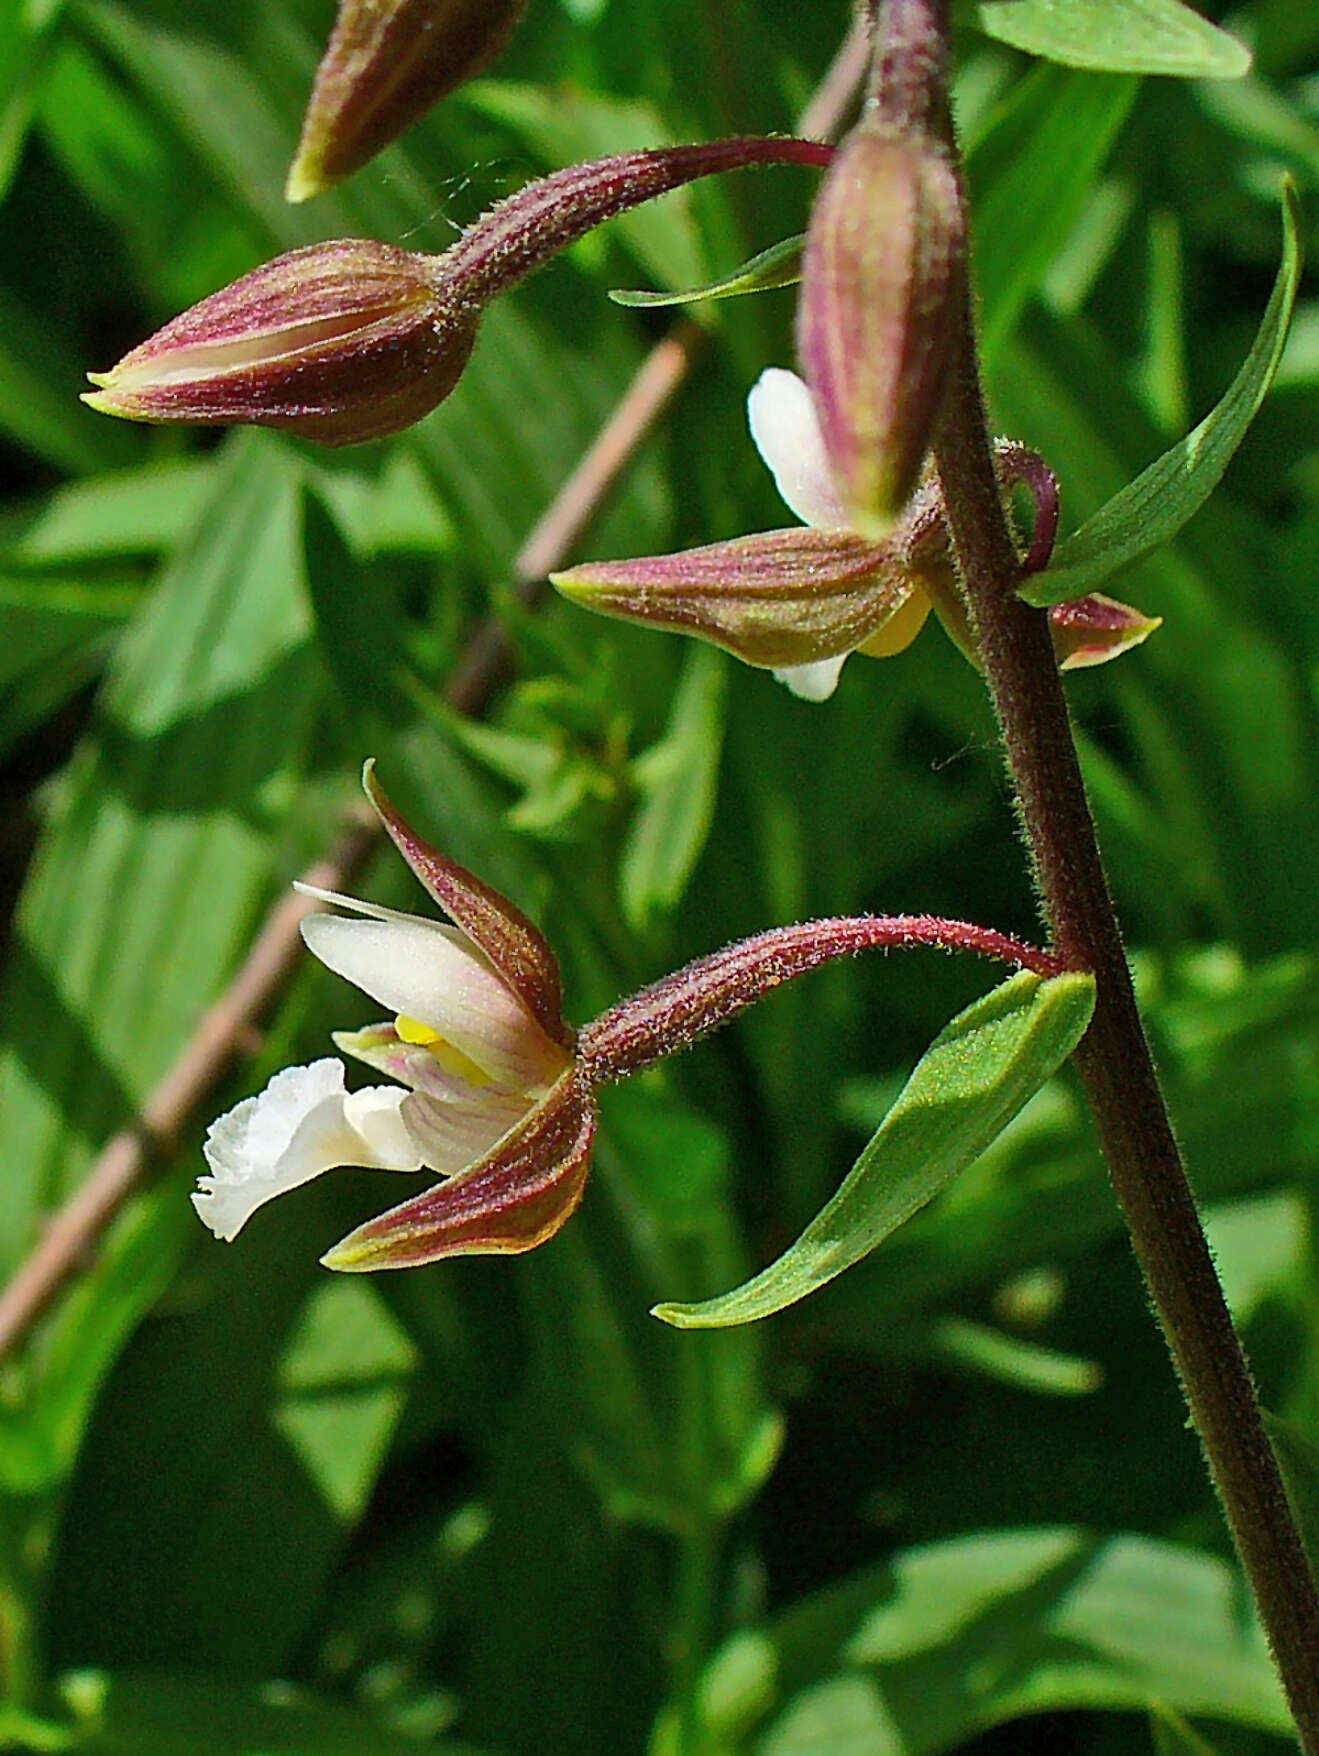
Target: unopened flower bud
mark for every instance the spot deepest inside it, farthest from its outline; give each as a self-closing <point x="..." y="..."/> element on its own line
<point x="352" y="340"/>
<point x="340" y="342"/>
<point x="874" y="323"/>
<point x="386" y="63"/>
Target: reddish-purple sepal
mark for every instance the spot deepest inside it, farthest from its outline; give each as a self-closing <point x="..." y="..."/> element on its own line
<point x="775" y="599"/>
<point x="513" y="1199"/>
<point x="1094" y="629"/>
<point x="386" y="63"/>
<point x="515" y="945"/>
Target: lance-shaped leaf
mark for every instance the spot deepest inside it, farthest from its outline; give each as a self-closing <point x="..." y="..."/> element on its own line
<point x="514" y="1198"/>
<point x="968" y="1086"/>
<point x="779" y="266"/>
<point x="386" y="63"/>
<point x="515" y="945"/>
<point x="778" y="598"/>
<point x="1151" y="510"/>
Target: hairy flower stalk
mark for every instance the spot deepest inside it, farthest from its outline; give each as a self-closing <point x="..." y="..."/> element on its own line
<point x="386" y="63"/>
<point x="352" y="340"/>
<point x="492" y="1090"/>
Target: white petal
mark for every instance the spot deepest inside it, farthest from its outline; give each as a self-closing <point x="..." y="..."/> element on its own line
<point x="453" y="1136"/>
<point x="303" y="1123"/>
<point x="437" y="976"/>
<point x="814" y="682"/>
<point x="786" y="430"/>
<point x="355" y="906"/>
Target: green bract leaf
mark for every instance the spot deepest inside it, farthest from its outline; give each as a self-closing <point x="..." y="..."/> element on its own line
<point x="967" y="1087"/>
<point x="779" y="266"/>
<point x="1151" y="510"/>
<point x="1120" y="36"/>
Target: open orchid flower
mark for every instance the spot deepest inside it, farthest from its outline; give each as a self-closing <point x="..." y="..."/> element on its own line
<point x="799" y="601"/>
<point x="488" y="1094"/>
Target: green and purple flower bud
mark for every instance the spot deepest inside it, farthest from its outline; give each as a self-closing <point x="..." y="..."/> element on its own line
<point x="884" y="253"/>
<point x="386" y="63"/>
<point x="353" y="340"/>
<point x="340" y="342"/>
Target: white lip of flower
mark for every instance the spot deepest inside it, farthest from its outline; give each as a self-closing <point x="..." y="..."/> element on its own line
<point x="786" y="430"/>
<point x="472" y="1059"/>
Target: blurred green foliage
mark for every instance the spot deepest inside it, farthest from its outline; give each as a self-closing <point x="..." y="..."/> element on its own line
<point x="493" y="1506"/>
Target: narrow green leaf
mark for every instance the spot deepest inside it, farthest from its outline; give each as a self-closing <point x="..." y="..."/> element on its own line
<point x="26" y="33"/>
<point x="779" y="266"/>
<point x="967" y="1087"/>
<point x="678" y="778"/>
<point x="128" y="512"/>
<point x="1031" y="175"/>
<point x="1013" y="1360"/>
<point x="1151" y="510"/>
<point x="1119" y="36"/>
<point x="150" y="873"/>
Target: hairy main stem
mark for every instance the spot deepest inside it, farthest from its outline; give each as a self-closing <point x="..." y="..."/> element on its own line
<point x="1114" y="1059"/>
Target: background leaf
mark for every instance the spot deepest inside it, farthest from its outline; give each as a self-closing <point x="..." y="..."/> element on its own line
<point x="1120" y="36"/>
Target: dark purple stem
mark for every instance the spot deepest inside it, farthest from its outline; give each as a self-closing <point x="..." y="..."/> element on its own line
<point x="673" y="1013"/>
<point x="1113" y="1060"/>
<point x="526" y="230"/>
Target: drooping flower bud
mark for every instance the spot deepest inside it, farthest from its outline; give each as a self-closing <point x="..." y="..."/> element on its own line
<point x="884" y="251"/>
<point x="341" y="342"/>
<point x="349" y="341"/>
<point x="386" y="63"/>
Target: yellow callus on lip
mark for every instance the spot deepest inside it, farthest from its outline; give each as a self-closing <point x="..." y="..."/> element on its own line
<point x="412" y="1030"/>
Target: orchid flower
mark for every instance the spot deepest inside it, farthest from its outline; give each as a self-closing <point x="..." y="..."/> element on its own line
<point x="487" y="1093"/>
<point x="798" y="602"/>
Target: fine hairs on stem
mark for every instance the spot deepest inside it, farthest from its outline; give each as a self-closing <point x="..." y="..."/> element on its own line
<point x="1114" y="1060"/>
